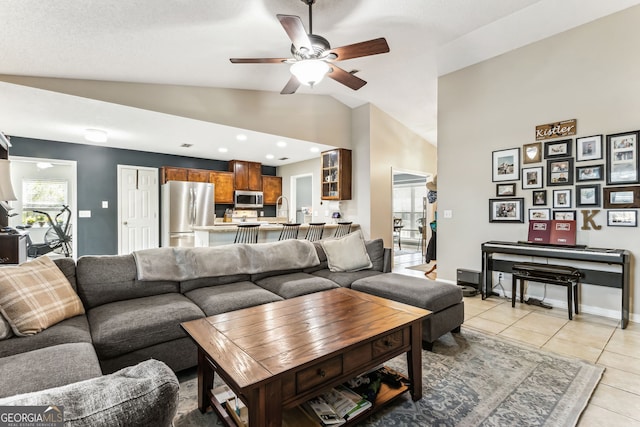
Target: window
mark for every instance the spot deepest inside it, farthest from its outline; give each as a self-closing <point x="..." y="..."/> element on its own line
<point x="44" y="194"/>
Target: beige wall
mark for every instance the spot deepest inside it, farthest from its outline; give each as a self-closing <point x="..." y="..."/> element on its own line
<point x="590" y="74"/>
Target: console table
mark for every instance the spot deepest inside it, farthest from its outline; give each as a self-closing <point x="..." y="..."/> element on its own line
<point x="591" y="275"/>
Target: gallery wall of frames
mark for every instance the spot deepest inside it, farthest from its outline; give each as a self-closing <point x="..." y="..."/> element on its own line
<point x="560" y="177"/>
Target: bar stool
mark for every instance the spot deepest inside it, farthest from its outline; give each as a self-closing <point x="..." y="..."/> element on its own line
<point x="343" y="229"/>
<point x="289" y="231"/>
<point x="315" y="231"/>
<point x="247" y="233"/>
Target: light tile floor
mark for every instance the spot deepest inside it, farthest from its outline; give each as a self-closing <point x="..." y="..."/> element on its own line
<point x="616" y="400"/>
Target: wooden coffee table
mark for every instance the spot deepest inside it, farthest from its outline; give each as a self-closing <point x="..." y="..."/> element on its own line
<point x="279" y="355"/>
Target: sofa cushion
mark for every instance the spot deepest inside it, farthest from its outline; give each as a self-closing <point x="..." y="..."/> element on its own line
<point x="347" y="253"/>
<point x="343" y="278"/>
<point x="375" y="249"/>
<point x="71" y="330"/>
<point x="48" y="367"/>
<point x="36" y="295"/>
<point x="124" y="326"/>
<point x="417" y="291"/>
<point x="296" y="284"/>
<point x="234" y="296"/>
<point x="322" y="257"/>
<point x="5" y="328"/>
<point x="189" y="285"/>
<point x="108" y="278"/>
<point x="141" y="395"/>
<point x="68" y="268"/>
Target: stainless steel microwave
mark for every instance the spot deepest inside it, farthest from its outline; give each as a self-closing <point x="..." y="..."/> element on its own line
<point x="248" y="199"/>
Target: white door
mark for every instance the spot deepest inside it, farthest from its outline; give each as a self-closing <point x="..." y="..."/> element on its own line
<point x="138" y="206"/>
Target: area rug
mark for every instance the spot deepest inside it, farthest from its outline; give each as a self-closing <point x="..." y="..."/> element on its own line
<point x="470" y="379"/>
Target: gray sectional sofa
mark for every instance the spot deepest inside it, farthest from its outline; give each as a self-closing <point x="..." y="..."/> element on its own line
<point x="134" y="305"/>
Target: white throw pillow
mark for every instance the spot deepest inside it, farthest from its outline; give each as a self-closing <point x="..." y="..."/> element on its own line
<point x="347" y="253"/>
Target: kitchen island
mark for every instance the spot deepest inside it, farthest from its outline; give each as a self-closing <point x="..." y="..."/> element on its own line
<point x="225" y="233"/>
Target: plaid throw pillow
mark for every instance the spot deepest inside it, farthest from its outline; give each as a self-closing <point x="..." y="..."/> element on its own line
<point x="36" y="295"/>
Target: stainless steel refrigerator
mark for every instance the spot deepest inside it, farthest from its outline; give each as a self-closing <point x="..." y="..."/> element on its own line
<point x="184" y="206"/>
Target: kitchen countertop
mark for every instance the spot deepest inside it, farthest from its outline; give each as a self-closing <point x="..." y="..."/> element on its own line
<point x="229" y="226"/>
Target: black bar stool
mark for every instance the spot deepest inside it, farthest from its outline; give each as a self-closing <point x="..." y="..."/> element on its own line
<point x="315" y="231"/>
<point x="247" y="233"/>
<point x="343" y="229"/>
<point x="289" y="231"/>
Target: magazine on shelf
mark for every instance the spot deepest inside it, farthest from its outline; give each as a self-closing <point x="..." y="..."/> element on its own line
<point x="323" y="411"/>
<point x="336" y="406"/>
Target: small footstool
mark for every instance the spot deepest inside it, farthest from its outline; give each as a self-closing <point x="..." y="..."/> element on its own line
<point x="444" y="300"/>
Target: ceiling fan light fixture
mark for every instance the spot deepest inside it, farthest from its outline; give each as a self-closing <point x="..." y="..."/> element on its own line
<point x="310" y="72"/>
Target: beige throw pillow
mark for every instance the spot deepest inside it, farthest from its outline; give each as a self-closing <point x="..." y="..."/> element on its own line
<point x="36" y="295"/>
<point x="347" y="253"/>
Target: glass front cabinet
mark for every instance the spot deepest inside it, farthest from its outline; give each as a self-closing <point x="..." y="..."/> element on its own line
<point x="336" y="174"/>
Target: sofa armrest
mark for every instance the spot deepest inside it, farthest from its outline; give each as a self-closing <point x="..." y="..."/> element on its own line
<point x="142" y="395"/>
<point x="387" y="261"/>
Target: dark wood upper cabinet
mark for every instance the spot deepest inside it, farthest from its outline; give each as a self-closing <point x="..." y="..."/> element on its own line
<point x="223" y="185"/>
<point x="272" y="188"/>
<point x="248" y="175"/>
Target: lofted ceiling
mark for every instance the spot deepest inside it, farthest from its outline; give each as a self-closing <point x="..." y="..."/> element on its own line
<point x="189" y="42"/>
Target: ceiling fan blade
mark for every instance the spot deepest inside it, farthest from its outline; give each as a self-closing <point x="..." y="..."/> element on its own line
<point x="257" y="60"/>
<point x="347" y="79"/>
<point x="357" y="50"/>
<point x="295" y="30"/>
<point x="292" y="85"/>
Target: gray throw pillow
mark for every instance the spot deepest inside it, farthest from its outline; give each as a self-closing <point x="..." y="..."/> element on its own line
<point x="347" y="253"/>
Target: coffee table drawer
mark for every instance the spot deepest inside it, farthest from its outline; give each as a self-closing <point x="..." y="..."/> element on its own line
<point x="318" y="374"/>
<point x="388" y="343"/>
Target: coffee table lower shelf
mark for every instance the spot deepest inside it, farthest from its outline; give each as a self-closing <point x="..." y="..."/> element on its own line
<point x="297" y="417"/>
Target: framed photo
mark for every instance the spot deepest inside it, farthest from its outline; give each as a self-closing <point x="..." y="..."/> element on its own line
<point x="539" y="198"/>
<point x="506" y="165"/>
<point x="506" y="210"/>
<point x="621" y="197"/>
<point x="589" y="148"/>
<point x="557" y="148"/>
<point x="539" y="213"/>
<point x="590" y="173"/>
<point x="560" y="172"/>
<point x="565" y="215"/>
<point x="506" y="190"/>
<point x="588" y="195"/>
<point x="532" y="153"/>
<point x="626" y="218"/>
<point x="561" y="199"/>
<point x="532" y="177"/>
<point x="622" y="158"/>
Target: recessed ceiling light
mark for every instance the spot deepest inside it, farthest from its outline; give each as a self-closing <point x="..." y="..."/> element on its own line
<point x="270" y="156"/>
<point x="95" y="135"/>
<point x="241" y="137"/>
<point x="223" y="149"/>
<point x="314" y="149"/>
<point x="281" y="144"/>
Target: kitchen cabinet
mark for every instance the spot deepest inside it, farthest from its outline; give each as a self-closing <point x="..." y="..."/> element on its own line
<point x="223" y="184"/>
<point x="272" y="189"/>
<point x="336" y="174"/>
<point x="197" y="175"/>
<point x="248" y="175"/>
<point x="168" y="173"/>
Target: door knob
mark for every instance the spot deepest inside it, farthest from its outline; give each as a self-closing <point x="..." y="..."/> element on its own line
<point x="125" y="223"/>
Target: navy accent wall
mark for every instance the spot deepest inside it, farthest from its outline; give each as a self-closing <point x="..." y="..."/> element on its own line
<point x="98" y="181"/>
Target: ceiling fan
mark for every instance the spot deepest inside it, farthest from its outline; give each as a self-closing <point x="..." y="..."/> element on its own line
<point x="313" y="57"/>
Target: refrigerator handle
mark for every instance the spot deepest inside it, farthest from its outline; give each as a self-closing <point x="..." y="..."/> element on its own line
<point x="193" y="206"/>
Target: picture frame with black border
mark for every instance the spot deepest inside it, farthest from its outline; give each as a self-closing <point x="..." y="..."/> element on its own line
<point x="532" y="153"/>
<point x="539" y="214"/>
<point x="622" y="158"/>
<point x="505" y="165"/>
<point x="561" y="199"/>
<point x="561" y="148"/>
<point x="560" y="172"/>
<point x="532" y="177"/>
<point x="622" y="218"/>
<point x="588" y="148"/>
<point x="569" y="215"/>
<point x="590" y="173"/>
<point x="506" y="210"/>
<point x="588" y="195"/>
<point x="539" y="198"/>
<point x="506" y="190"/>
<point x="621" y="197"/>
